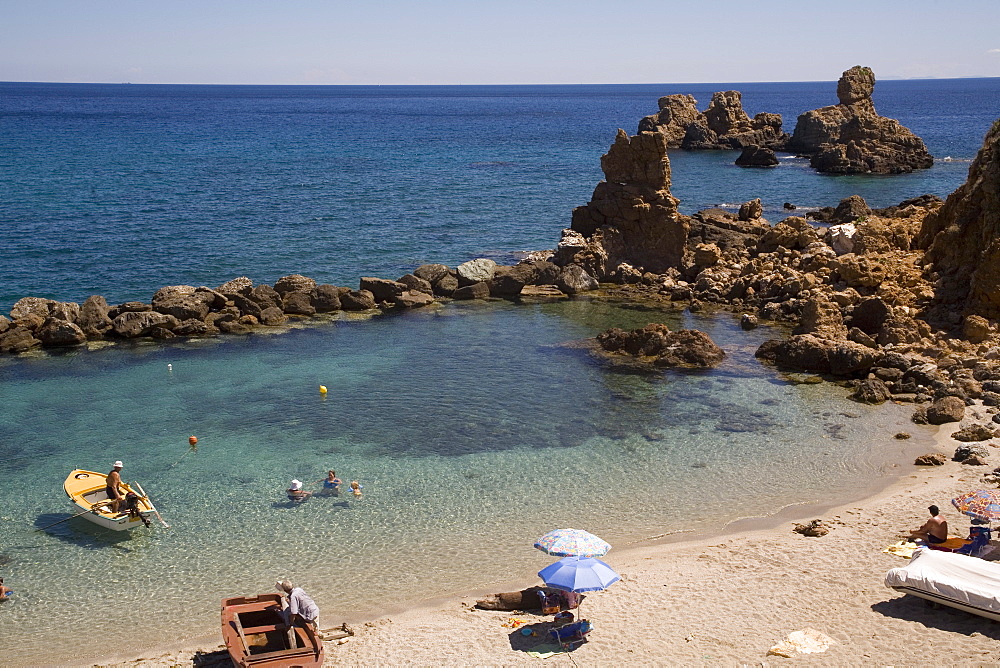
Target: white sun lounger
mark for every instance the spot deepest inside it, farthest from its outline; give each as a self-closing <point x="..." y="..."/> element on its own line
<point x="955" y="580"/>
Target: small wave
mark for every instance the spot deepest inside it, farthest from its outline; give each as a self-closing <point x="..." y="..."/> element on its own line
<point x="948" y="158"/>
<point x="484" y="165"/>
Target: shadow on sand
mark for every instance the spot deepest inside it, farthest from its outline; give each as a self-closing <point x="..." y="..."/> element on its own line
<point x="937" y="616"/>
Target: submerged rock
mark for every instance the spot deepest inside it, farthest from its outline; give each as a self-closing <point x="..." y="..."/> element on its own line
<point x="660" y="346"/>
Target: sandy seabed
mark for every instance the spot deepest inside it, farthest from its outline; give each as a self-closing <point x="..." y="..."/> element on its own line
<point x="724" y="600"/>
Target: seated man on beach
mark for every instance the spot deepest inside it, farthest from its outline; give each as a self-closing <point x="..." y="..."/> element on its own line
<point x="934" y="530"/>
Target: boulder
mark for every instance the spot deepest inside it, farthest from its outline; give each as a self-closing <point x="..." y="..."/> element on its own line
<point x="974" y="432"/>
<point x="676" y="113"/>
<point x="264" y="296"/>
<point x="357" y="300"/>
<point x="822" y="318"/>
<point x="294" y="283"/>
<point x="132" y="324"/>
<point x="841" y="238"/>
<point x="748" y="321"/>
<point x="191" y="328"/>
<point x="128" y="307"/>
<point x="446" y="285"/>
<point x="413" y="282"/>
<point x="751" y="210"/>
<point x="757" y="156"/>
<point x="852" y="138"/>
<point x="871" y="391"/>
<point x="245" y="304"/>
<point x="806" y="352"/>
<point x="946" y="409"/>
<point x="663" y="347"/>
<point x="413" y="299"/>
<point x="183" y="302"/>
<point x="814" y="529"/>
<point x="963" y="452"/>
<point x="509" y="281"/>
<point x="479" y="270"/>
<point x="4" y="324"/>
<point x="574" y="279"/>
<point x="725" y="125"/>
<point x="706" y="255"/>
<point x="17" y="340"/>
<point x="432" y="273"/>
<point x="56" y="332"/>
<point x="93" y="319"/>
<point x="272" y="316"/>
<point x="241" y="285"/>
<point x="474" y="291"/>
<point x="976" y="328"/>
<point x="31" y="307"/>
<point x="296" y="302"/>
<point x="324" y="298"/>
<point x="870" y="315"/>
<point x="931" y="459"/>
<point x="850" y="210"/>
<point x="382" y="289"/>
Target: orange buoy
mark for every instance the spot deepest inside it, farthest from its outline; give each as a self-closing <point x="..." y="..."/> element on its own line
<point x="193" y="440"/>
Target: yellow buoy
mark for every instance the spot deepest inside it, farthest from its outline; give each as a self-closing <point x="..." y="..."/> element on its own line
<point x="322" y="389"/>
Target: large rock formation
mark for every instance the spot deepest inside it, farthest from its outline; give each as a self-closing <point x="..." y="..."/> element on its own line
<point x="851" y="138"/>
<point x="724" y="125"/>
<point x="962" y="238"/>
<point x="655" y="344"/>
<point x="631" y="217"/>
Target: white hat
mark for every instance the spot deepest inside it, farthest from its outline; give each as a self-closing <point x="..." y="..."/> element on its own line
<point x="296" y="484"/>
<point x="118" y="464"/>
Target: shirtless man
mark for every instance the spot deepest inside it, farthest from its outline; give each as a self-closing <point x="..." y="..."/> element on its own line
<point x="113" y="483"/>
<point x="934" y="530"/>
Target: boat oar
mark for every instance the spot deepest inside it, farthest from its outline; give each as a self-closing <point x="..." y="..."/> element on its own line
<point x="155" y="511"/>
<point x="49" y="526"/>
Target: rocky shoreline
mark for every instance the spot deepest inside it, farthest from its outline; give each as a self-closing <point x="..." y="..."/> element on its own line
<point x="898" y="303"/>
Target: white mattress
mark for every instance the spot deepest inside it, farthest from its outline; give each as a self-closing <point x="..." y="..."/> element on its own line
<point x="967" y="580"/>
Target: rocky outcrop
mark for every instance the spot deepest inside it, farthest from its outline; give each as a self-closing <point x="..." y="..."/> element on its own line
<point x="631" y="217"/>
<point x="851" y="138"/>
<point x="657" y="345"/>
<point x="757" y="156"/>
<point x="962" y="238"/>
<point x="723" y="125"/>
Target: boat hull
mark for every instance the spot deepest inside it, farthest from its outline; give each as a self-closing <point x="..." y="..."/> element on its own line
<point x="86" y="492"/>
<point x="255" y="634"/>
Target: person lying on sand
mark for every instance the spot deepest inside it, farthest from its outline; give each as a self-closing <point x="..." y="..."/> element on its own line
<point x="934" y="530"/>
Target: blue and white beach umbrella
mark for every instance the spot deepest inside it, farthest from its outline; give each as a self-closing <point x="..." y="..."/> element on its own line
<point x="578" y="575"/>
<point x="572" y="543"/>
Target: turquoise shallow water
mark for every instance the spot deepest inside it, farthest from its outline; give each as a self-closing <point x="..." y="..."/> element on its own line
<point x="473" y="428"/>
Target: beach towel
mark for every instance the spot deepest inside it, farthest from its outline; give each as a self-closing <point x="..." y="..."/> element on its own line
<point x="901" y="549"/>
<point x="806" y="641"/>
<point x="545" y="650"/>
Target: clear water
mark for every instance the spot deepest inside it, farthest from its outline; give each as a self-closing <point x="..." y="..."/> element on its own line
<point x="121" y="189"/>
<point x="473" y="429"/>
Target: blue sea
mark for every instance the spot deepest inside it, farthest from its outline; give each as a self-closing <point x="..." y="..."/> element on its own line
<point x="474" y="428"/>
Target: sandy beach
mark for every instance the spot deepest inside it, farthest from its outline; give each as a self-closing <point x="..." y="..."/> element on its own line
<point x="723" y="600"/>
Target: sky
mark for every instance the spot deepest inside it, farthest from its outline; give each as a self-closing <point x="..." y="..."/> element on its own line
<point x="503" y="42"/>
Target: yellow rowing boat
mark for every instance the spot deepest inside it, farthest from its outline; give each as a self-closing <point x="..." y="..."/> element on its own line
<point x="87" y="490"/>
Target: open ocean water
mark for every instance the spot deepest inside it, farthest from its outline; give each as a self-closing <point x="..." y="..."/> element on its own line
<point x="472" y="427"/>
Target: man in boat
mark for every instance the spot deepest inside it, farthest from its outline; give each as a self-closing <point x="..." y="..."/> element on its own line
<point x="113" y="482"/>
<point x="300" y="605"/>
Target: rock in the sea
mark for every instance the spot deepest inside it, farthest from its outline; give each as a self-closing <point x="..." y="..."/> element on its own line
<point x="31" y="307"/>
<point x="17" y="340"/>
<point x="475" y="291"/>
<point x="930" y="459"/>
<point x="325" y="298"/>
<point x="631" y="217"/>
<point x="294" y="283"/>
<point x="748" y="321"/>
<point x="241" y="286"/>
<point x="871" y="391"/>
<point x="93" y="319"/>
<point x="676" y="113"/>
<point x="757" y="156"/>
<point x="805" y="352"/>
<point x="850" y="210"/>
<point x="413" y="299"/>
<point x="851" y="138"/>
<point x="357" y="300"/>
<point x="414" y="282"/>
<point x="574" y="279"/>
<point x="962" y="238"/>
<point x="946" y="409"/>
<point x="295" y="302"/>
<point x="56" y="332"/>
<point x="432" y="273"/>
<point x="132" y="324"/>
<point x="183" y="302"/>
<point x="723" y="125"/>
<point x="479" y="270"/>
<point x="382" y="289"/>
<point x="663" y="347"/>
